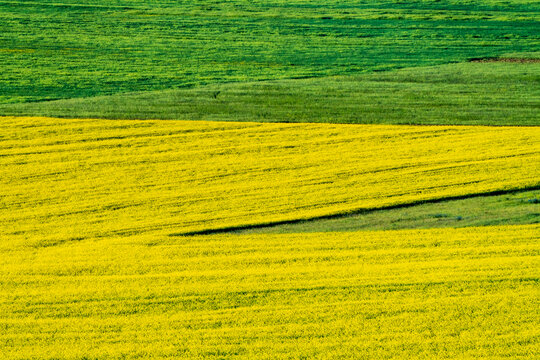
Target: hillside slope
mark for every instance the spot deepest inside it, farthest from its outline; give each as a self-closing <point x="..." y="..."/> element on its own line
<point x="442" y="293"/>
<point x="474" y="93"/>
<point x="72" y="49"/>
<point x="66" y="179"/>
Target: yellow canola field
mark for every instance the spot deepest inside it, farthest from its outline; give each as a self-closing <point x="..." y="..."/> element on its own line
<point x="406" y="294"/>
<point x="69" y="179"/>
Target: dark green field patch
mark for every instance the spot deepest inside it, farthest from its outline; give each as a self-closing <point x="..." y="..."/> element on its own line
<point x="479" y="93"/>
<point x="87" y="48"/>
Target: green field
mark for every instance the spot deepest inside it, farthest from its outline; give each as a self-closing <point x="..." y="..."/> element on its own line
<point x="491" y="93"/>
<point x="348" y="179"/>
<point x="51" y="50"/>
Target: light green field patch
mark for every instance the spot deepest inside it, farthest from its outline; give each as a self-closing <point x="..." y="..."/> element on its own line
<point x="507" y="209"/>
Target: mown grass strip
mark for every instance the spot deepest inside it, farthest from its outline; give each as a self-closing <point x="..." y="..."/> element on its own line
<point x="503" y="208"/>
<point x="322" y="223"/>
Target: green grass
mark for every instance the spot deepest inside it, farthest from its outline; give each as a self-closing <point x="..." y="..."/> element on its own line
<point x="74" y="49"/>
<point x="488" y="93"/>
<point x="508" y="209"/>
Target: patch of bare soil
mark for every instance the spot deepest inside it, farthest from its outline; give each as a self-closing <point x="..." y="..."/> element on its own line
<point x="504" y="60"/>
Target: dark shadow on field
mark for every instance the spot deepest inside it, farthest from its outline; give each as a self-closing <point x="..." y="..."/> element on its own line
<point x="271" y="224"/>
